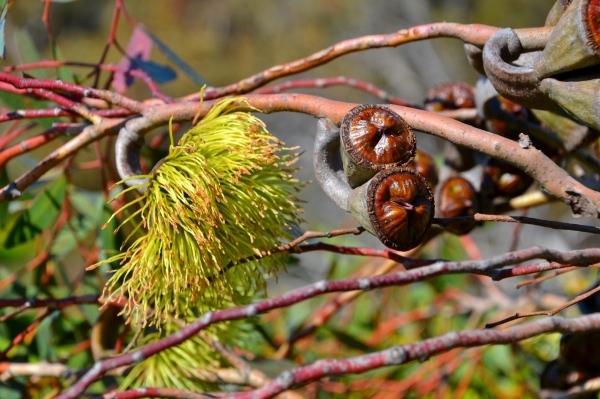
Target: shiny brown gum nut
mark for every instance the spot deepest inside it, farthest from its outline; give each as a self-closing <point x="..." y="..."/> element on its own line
<point x="377" y="138"/>
<point x="450" y="96"/>
<point x="508" y="181"/>
<point x="401" y="208"/>
<point x="458" y="198"/>
<point x="424" y="165"/>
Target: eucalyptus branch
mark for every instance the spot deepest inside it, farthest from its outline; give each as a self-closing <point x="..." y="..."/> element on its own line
<point x="474" y="34"/>
<point x="136" y="73"/>
<point x="88" y="135"/>
<point x="50" y="85"/>
<point x="527" y="269"/>
<point x="31" y="144"/>
<point x="422" y="350"/>
<point x="483" y="267"/>
<point x="336" y="81"/>
<point x="582" y="200"/>
<point x="479" y="217"/>
<point x="385" y="253"/>
<point x="68" y="104"/>
<point x="541" y="279"/>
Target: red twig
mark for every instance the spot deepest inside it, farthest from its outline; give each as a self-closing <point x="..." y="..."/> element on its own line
<point x="336" y="81"/>
<point x="10" y="134"/>
<point x="474" y="34"/>
<point x="322" y="287"/>
<point x="28" y="145"/>
<point x="538" y="280"/>
<point x="109" y="96"/>
<point x="46" y="20"/>
<point x="137" y="73"/>
<point x="55" y="303"/>
<point x="57" y="112"/>
<point x="527" y="269"/>
<point x="360" y="251"/>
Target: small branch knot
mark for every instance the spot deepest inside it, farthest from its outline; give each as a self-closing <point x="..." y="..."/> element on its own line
<point x="524" y="141"/>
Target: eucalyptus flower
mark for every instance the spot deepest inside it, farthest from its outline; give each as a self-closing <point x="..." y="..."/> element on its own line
<point x="222" y="195"/>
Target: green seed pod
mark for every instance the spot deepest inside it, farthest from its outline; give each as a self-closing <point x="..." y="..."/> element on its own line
<point x="575" y="41"/>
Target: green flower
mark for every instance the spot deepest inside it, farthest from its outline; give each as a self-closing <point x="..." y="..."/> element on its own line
<point x="221" y="195"/>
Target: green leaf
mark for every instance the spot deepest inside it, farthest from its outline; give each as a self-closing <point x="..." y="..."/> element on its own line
<point x="29" y="53"/>
<point x="17" y="101"/>
<point x="64" y="72"/>
<point x="43" y="338"/>
<point x="181" y="64"/>
<point x="44" y="210"/>
<point x="2" y="22"/>
<point x="84" y="220"/>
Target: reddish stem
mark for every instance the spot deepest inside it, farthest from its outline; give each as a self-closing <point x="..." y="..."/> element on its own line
<point x="336" y="81"/>
<point x="299" y="295"/>
<point x="28" y="145"/>
<point x="111" y="97"/>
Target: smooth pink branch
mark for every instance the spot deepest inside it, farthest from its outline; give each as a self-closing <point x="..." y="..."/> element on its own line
<point x="483" y="267"/>
<point x="421" y="351"/>
<point x="478" y="35"/>
<point x="336" y="81"/>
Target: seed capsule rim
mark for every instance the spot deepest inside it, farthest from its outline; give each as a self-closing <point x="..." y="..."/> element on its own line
<point x="355" y="153"/>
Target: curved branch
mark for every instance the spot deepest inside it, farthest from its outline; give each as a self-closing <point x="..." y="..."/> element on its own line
<point x="476" y="34"/>
<point x="582" y="200"/>
<point x="422" y="350"/>
<point x="483" y="267"/>
<point x="88" y="135"/>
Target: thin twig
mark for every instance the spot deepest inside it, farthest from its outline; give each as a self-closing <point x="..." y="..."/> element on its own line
<point x="550" y="312"/>
<point x="541" y="279"/>
<point x="474" y="34"/>
<point x="479" y="217"/>
<point x="528" y="269"/>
